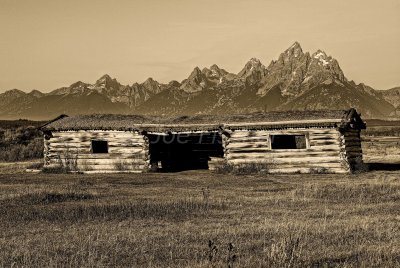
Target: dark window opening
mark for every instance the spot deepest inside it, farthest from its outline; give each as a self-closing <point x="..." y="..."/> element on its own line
<point x="178" y="152"/>
<point x="99" y="147"/>
<point x="288" y="142"/>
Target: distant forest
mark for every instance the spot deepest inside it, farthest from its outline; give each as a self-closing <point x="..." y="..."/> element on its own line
<point x="20" y="140"/>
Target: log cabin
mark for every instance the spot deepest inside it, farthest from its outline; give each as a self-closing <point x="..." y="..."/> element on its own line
<point x="282" y="142"/>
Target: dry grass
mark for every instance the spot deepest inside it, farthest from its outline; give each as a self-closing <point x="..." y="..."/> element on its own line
<point x="202" y="219"/>
<point x="243" y="168"/>
<point x="198" y="219"/>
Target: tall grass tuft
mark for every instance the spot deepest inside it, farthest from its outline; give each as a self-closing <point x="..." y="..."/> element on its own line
<point x="122" y="165"/>
<point x="287" y="252"/>
<point x="67" y="162"/>
<point x="243" y="168"/>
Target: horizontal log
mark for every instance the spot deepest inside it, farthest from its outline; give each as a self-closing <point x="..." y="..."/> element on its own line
<point x="80" y="137"/>
<point x="89" y="141"/>
<point x="106" y="166"/>
<point x="88" y="136"/>
<point x="94" y="131"/>
<point x="290" y="165"/>
<point x="112" y="171"/>
<point x="103" y="156"/>
<point x="284" y="152"/>
<point x="281" y="156"/>
<point x="95" y="161"/>
<point x="324" y="137"/>
<point x="83" y="156"/>
<point x="279" y="153"/>
<point x="315" y="166"/>
<point x="96" y="137"/>
<point x="315" y="131"/>
<point x="316" y="159"/>
<point x="247" y="134"/>
<point x="111" y="161"/>
<point x="268" y="158"/>
<point x="247" y="145"/>
<point x="323" y="142"/>
<point x="325" y="147"/>
<point x="307" y="170"/>
<point x="131" y="150"/>
<point x="88" y="145"/>
<point x="247" y="150"/>
<point x="321" y="148"/>
<point x="249" y="139"/>
<point x="114" y="167"/>
<point x="260" y="133"/>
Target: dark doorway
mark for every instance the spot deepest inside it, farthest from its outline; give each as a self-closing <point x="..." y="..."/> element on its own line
<point x="178" y="152"/>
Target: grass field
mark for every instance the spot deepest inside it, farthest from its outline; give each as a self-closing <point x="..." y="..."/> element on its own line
<point x="202" y="219"/>
<point x="169" y="220"/>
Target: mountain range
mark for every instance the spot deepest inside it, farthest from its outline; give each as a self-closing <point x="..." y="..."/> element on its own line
<point x="297" y="80"/>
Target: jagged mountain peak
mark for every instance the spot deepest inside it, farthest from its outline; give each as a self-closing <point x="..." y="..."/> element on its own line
<point x="294" y="51"/>
<point x="214" y="67"/>
<point x="104" y="77"/>
<point x="106" y="83"/>
<point x="205" y="70"/>
<point x="295" y="48"/>
<point x="214" y="73"/>
<point x="196" y="81"/>
<point x="150" y="80"/>
<point x="254" y="61"/>
<point x="325" y="67"/>
<point x="106" y="80"/>
<point x="195" y="74"/>
<point x="152" y="85"/>
<point x="196" y="71"/>
<point x="253" y="65"/>
<point x="253" y="72"/>
<point x="295" y="45"/>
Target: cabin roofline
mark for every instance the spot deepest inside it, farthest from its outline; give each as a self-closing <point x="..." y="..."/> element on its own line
<point x="340" y="119"/>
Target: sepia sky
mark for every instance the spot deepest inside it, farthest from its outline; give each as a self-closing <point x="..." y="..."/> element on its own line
<point x="49" y="44"/>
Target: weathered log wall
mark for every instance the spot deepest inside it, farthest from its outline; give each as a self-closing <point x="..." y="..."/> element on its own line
<point x="127" y="151"/>
<point x="351" y="147"/>
<point x="326" y="150"/>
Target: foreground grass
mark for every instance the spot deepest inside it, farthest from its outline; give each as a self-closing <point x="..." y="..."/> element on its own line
<point x="199" y="219"/>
